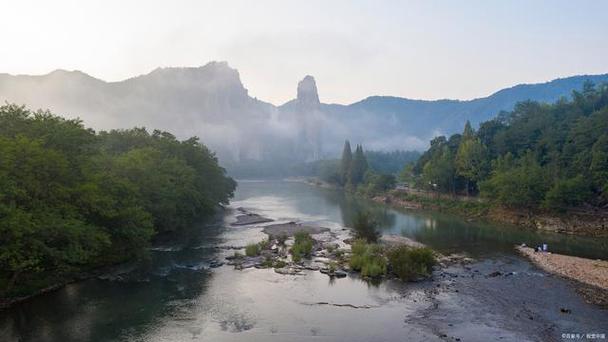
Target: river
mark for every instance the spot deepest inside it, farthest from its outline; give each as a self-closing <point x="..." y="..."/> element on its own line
<point x="175" y="295"/>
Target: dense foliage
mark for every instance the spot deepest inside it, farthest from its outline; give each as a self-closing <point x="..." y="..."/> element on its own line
<point x="411" y="263"/>
<point x="390" y="163"/>
<point x="71" y="199"/>
<point x="302" y="246"/>
<point x="353" y="172"/>
<point x="368" y="259"/>
<point x="552" y="156"/>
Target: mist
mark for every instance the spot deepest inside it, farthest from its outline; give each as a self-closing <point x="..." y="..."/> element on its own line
<point x="209" y="102"/>
<point x="253" y="138"/>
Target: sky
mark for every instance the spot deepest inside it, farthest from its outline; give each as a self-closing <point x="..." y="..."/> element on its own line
<point x="354" y="49"/>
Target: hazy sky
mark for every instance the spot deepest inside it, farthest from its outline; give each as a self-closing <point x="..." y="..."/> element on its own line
<point x="418" y="49"/>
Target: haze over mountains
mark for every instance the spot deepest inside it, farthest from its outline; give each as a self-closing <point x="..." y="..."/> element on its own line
<point x="212" y="103"/>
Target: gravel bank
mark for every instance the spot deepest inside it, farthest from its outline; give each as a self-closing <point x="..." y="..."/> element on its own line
<point x="587" y="271"/>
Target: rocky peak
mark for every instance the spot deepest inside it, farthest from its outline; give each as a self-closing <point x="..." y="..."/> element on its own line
<point x="307" y="91"/>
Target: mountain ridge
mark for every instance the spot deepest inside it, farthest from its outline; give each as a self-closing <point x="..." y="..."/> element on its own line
<point x="210" y="101"/>
<point x="603" y="77"/>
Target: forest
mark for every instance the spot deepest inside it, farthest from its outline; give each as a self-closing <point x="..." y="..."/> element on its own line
<point x="366" y="173"/>
<point x="73" y="200"/>
<point x="538" y="156"/>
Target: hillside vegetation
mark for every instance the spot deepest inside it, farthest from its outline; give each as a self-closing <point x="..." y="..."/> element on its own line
<point x="538" y="156"/>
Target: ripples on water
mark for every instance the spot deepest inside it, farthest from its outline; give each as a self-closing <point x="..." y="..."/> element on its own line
<point x="176" y="296"/>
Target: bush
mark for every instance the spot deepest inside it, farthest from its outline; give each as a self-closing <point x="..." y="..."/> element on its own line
<point x="267" y="263"/>
<point x="365" y="227"/>
<point x="252" y="249"/>
<point x="377" y="183"/>
<point x="302" y="247"/>
<point x="281" y="238"/>
<point x="280" y="264"/>
<point x="411" y="263"/>
<point x="264" y="244"/>
<point x="368" y="259"/>
<point x="568" y="193"/>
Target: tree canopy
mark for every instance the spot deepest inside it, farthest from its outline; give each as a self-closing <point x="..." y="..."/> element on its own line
<point x="552" y="156"/>
<point x="72" y="199"/>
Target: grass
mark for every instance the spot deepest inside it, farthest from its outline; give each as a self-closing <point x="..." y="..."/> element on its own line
<point x="411" y="263"/>
<point x="265" y="244"/>
<point x="368" y="259"/>
<point x="279" y="264"/>
<point x="270" y="263"/>
<point x="330" y="248"/>
<point x="302" y="246"/>
<point x="281" y="238"/>
<point x="408" y="263"/>
<point x="340" y="255"/>
<point x="252" y="249"/>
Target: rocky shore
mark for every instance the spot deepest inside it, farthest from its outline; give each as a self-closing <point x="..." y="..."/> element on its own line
<point x="591" y="274"/>
<point x="330" y="252"/>
<point x="573" y="223"/>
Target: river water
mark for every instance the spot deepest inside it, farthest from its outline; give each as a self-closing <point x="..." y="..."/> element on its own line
<point x="176" y="296"/>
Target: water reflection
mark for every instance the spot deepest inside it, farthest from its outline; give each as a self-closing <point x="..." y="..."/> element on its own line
<point x="95" y="310"/>
<point x="173" y="296"/>
<point x="445" y="233"/>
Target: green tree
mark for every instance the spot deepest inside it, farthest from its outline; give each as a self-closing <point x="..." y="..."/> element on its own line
<point x="439" y="173"/>
<point x="599" y="164"/>
<point x="471" y="159"/>
<point x="522" y="185"/>
<point x="568" y="193"/>
<point x="71" y="199"/>
<point x="346" y="162"/>
<point x="359" y="167"/>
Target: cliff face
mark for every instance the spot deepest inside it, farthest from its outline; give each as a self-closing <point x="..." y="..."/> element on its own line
<point x="308" y="118"/>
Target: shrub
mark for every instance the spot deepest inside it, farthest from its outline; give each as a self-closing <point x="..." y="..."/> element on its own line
<point x="411" y="263"/>
<point x="340" y="255"/>
<point x="267" y="262"/>
<point x="280" y="264"/>
<point x="264" y="244"/>
<point x="281" y="238"/>
<point x="302" y="246"/>
<point x="330" y="248"/>
<point x="368" y="259"/>
<point x="252" y="249"/>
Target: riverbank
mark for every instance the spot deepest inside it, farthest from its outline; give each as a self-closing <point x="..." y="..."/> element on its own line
<point x="182" y="292"/>
<point x="581" y="222"/>
<point x="588" y="223"/>
<point x="589" y="272"/>
<point x="54" y="281"/>
<point x="58" y="284"/>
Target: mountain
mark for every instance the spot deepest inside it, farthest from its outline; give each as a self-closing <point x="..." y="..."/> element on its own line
<point x="211" y="102"/>
<point x="385" y="122"/>
<point x="206" y="101"/>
